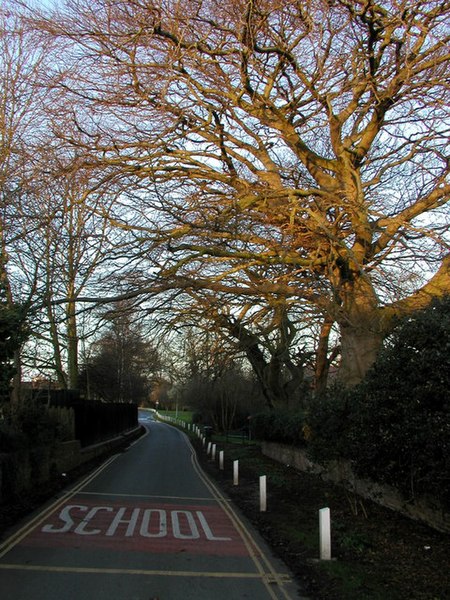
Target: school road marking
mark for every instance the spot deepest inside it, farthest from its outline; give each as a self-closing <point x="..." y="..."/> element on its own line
<point x="152" y="528"/>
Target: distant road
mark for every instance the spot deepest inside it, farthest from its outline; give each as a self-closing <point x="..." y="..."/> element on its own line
<point x="146" y="525"/>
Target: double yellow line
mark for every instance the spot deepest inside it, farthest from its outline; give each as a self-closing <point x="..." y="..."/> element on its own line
<point x="144" y="572"/>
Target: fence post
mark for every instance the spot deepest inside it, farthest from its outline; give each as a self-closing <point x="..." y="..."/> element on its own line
<point x="235" y="472"/>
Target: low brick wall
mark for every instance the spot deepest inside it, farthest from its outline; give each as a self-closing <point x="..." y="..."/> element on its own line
<point x="340" y="472"/>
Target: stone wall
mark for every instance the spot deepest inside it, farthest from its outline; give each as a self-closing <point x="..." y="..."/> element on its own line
<point x="21" y="472"/>
<point x="424" y="509"/>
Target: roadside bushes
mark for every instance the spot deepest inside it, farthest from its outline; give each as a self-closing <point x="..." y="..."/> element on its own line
<point x="394" y="428"/>
<point x="35" y="424"/>
<point x="41" y="425"/>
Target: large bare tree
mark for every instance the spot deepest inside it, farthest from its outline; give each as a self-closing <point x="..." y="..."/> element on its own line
<point x="71" y="252"/>
<point x="296" y="149"/>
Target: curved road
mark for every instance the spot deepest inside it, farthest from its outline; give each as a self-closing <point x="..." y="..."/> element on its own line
<point x="146" y="525"/>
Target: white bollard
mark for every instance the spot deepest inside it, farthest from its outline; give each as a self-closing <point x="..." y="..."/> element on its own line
<point x="213" y="453"/>
<point x="263" y="493"/>
<point x="221" y="460"/>
<point x="325" y="534"/>
<point x="235" y="472"/>
<point x="208" y="449"/>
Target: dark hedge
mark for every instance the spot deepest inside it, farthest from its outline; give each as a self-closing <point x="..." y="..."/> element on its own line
<point x="395" y="426"/>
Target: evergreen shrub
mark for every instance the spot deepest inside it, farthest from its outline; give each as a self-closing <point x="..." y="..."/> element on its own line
<point x="395" y="426"/>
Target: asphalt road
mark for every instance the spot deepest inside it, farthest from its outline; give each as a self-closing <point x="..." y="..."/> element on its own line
<point x="146" y="525"/>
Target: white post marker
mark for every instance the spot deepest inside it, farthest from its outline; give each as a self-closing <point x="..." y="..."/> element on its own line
<point x="325" y="534"/>
<point x="213" y="453"/>
<point x="208" y="449"/>
<point x="235" y="472"/>
<point x="263" y="493"/>
<point x="221" y="460"/>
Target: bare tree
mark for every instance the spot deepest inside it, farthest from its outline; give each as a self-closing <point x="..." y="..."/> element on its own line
<point x="123" y="363"/>
<point x="306" y="141"/>
<point x="54" y="229"/>
<point x="271" y="335"/>
<point x="23" y="57"/>
<point x="279" y="339"/>
<point x="73" y="245"/>
<point x="215" y="383"/>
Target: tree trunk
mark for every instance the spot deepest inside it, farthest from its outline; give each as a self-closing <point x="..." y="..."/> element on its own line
<point x="359" y="349"/>
<point x="361" y="330"/>
<point x="57" y="357"/>
<point x="364" y="324"/>
<point x="271" y="374"/>
<point x="17" y="379"/>
<point x="322" y="366"/>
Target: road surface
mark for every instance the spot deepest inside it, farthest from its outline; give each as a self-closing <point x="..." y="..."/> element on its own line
<point x="146" y="525"/>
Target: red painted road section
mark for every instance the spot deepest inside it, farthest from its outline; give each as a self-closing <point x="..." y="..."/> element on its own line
<point x="139" y="527"/>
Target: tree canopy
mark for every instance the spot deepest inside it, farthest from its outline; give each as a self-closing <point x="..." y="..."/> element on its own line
<point x="276" y="160"/>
